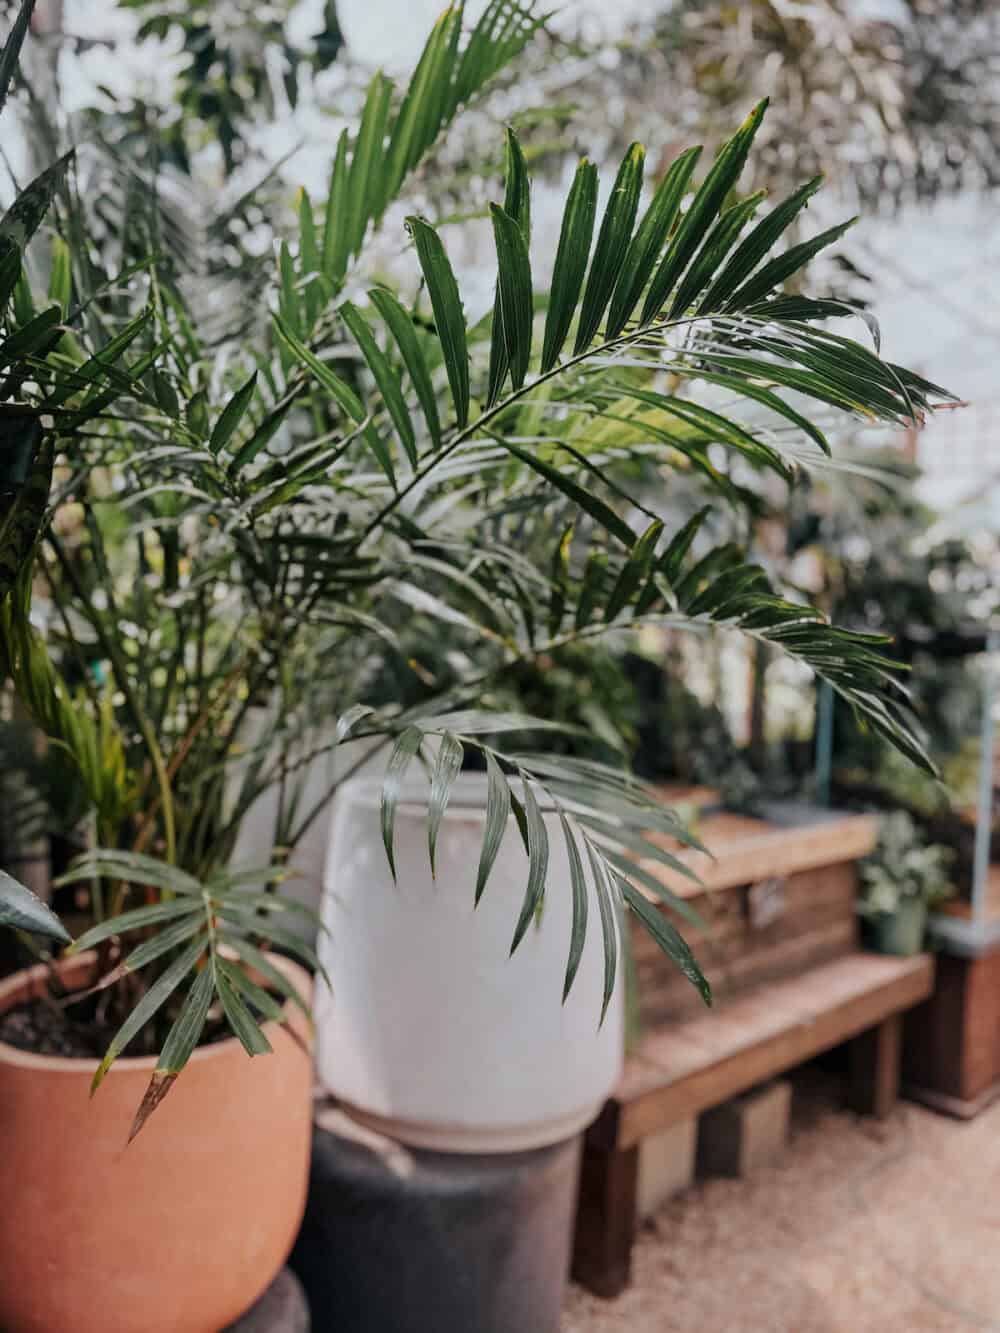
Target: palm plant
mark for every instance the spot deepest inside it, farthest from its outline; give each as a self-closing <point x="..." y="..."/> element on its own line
<point x="51" y="388"/>
<point x="241" y="539"/>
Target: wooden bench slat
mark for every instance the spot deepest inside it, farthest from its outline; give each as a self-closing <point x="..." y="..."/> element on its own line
<point x="703" y="1061"/>
<point x="745" y="849"/>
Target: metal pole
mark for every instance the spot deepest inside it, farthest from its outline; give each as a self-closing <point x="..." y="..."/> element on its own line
<point x="984" y="805"/>
<point x="824" y="741"/>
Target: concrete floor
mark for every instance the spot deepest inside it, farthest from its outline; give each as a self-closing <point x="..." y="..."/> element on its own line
<point x="862" y="1228"/>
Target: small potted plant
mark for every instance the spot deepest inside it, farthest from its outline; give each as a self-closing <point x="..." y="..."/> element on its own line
<point x="903" y="879"/>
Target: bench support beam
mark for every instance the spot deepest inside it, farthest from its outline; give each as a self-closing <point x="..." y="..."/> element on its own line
<point x="606" y="1221"/>
<point x="875" y="1063"/>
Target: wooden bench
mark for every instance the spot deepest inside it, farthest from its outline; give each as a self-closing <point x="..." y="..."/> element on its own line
<point x="699" y="1062"/>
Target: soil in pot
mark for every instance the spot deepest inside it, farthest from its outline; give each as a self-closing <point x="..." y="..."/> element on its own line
<point x="182" y="1230"/>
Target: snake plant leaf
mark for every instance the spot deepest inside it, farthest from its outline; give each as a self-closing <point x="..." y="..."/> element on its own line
<point x="25" y="214"/>
<point x="10" y="271"/>
<point x="26" y="461"/>
<point x="20" y="909"/>
<point x="32" y="339"/>
<point x="12" y="48"/>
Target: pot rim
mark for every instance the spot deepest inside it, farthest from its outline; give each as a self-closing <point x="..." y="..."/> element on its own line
<point x="467" y="800"/>
<point x="23" y="985"/>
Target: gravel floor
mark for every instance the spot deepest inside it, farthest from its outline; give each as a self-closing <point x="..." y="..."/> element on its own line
<point x="862" y="1228"/>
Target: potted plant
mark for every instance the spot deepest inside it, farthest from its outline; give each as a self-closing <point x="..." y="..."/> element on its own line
<point x="220" y="534"/>
<point x="904" y="878"/>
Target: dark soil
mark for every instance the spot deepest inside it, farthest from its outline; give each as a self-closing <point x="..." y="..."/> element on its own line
<point x="44" y="1029"/>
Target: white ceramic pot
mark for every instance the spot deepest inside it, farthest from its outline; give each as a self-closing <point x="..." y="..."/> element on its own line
<point x="312" y="783"/>
<point x="433" y="1032"/>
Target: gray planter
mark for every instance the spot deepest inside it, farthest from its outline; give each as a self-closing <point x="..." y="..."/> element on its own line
<point x="282" y="1309"/>
<point x="418" y="1241"/>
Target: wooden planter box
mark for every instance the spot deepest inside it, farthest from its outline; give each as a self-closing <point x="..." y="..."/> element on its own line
<point x="778" y="897"/>
<point x="951" y="1058"/>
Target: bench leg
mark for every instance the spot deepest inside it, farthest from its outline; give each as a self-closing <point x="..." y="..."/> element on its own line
<point x="875" y="1057"/>
<point x="606" y="1220"/>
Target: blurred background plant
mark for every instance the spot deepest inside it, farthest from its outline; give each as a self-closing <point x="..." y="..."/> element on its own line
<point x="904" y="866"/>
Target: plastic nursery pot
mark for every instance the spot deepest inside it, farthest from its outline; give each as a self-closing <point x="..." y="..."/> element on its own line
<point x="434" y="1033"/>
<point x="181" y="1231"/>
<point x="901" y="932"/>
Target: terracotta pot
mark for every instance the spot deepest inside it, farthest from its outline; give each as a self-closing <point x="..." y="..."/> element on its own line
<point x="433" y="1033"/>
<point x="181" y="1231"/>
